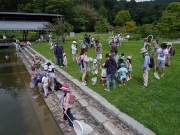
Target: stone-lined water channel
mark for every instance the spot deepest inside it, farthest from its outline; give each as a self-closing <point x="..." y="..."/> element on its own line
<point x="22" y="111"/>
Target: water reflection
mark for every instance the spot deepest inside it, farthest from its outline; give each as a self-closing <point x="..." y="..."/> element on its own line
<point x="21" y="114"/>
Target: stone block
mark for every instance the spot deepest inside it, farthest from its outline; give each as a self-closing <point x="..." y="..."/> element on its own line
<point x="97" y="115"/>
<point x="78" y="96"/>
<point x="110" y="108"/>
<point x="58" y="96"/>
<point x="86" y="90"/>
<point x="83" y="102"/>
<point x="111" y="129"/>
<point x="69" y="77"/>
<point x="134" y="125"/>
<point x="98" y="98"/>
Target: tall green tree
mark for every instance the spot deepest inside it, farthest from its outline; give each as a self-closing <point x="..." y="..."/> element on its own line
<point x="84" y="15"/>
<point x="171" y="16"/>
<point x="122" y="17"/>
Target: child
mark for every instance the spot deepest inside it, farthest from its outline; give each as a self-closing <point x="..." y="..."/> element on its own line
<point x="64" y="103"/>
<point x="129" y="67"/>
<point x="35" y="80"/>
<point x="45" y="82"/>
<point x="116" y="56"/>
<point x="103" y="74"/>
<point x="123" y="73"/>
<point x="94" y="71"/>
<point x="51" y="73"/>
<point x="65" y="60"/>
<point x="121" y="60"/>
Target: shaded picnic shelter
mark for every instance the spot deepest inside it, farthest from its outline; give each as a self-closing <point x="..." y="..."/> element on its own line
<point x="16" y="21"/>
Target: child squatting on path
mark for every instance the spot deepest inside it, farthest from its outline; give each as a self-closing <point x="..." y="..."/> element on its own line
<point x="64" y="103"/>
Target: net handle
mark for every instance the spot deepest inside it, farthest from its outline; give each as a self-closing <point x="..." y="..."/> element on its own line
<point x="69" y="118"/>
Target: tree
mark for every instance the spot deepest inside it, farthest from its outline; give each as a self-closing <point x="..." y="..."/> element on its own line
<point x="103" y="12"/>
<point x="61" y="28"/>
<point x="84" y="15"/>
<point x="171" y="16"/>
<point x="130" y="26"/>
<point x="122" y="17"/>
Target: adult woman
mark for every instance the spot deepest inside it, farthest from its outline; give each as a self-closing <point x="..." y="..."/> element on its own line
<point x="111" y="70"/>
<point x="37" y="63"/>
<point x="84" y="68"/>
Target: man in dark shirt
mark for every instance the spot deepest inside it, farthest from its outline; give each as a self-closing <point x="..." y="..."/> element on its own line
<point x="59" y="54"/>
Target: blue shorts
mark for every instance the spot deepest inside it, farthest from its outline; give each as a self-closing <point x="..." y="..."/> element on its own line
<point x="160" y="63"/>
<point x="129" y="69"/>
<point x="123" y="79"/>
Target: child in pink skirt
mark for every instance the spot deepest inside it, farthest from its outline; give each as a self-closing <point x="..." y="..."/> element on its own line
<point x="103" y="74"/>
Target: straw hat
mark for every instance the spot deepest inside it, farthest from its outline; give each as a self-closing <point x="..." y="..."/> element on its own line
<point x="143" y="50"/>
<point x="169" y="43"/>
<point x="145" y="39"/>
<point x="95" y="61"/>
<point x="36" y="55"/>
<point x="65" y="87"/>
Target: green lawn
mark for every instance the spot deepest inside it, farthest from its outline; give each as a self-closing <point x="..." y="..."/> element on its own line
<point x="157" y="107"/>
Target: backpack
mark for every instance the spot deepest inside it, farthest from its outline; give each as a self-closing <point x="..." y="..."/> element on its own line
<point x="151" y="64"/>
<point x="117" y="40"/>
<point x="57" y="86"/>
<point x="79" y="62"/>
<point x="72" y="97"/>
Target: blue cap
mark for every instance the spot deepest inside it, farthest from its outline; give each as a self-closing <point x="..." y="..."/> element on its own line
<point x="122" y="64"/>
<point x="43" y="73"/>
<point x="57" y="43"/>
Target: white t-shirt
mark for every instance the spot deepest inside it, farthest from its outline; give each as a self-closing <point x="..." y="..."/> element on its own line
<point x="103" y="72"/>
<point x="162" y="53"/>
<point x="45" y="79"/>
<point x="4" y="37"/>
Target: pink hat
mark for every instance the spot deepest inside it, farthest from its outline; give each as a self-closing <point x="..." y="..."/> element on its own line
<point x="65" y="87"/>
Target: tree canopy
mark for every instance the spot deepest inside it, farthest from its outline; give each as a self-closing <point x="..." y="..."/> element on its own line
<point x="86" y="14"/>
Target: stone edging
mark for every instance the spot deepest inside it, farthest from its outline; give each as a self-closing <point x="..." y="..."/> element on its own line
<point x="134" y="125"/>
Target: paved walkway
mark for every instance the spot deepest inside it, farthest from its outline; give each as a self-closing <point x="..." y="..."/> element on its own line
<point x="89" y="107"/>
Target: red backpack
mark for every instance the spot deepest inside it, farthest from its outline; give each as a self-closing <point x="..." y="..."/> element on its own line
<point x="72" y="97"/>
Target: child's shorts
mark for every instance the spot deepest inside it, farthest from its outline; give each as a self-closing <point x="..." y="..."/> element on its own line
<point x="103" y="78"/>
<point x="129" y="69"/>
<point x="123" y="79"/>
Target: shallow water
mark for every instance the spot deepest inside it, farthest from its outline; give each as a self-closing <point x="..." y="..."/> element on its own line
<point x="22" y="111"/>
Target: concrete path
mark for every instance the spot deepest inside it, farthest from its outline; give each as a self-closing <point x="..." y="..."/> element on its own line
<point x="89" y="107"/>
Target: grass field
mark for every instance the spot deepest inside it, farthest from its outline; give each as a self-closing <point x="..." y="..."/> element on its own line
<point x="157" y="107"/>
